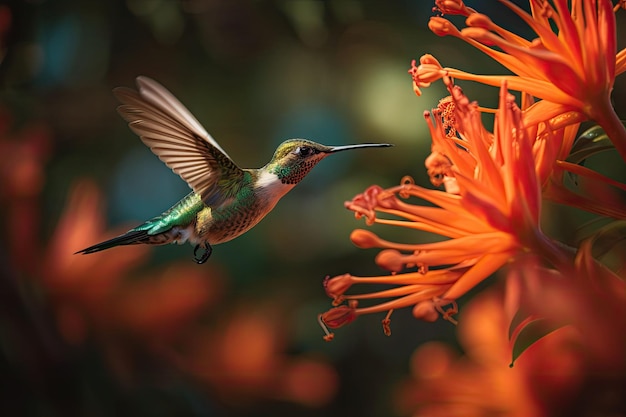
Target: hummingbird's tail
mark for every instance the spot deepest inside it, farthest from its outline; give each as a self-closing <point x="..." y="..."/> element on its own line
<point x="168" y="227"/>
<point x="132" y="237"/>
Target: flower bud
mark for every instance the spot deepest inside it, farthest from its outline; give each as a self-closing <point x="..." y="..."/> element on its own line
<point x="425" y="310"/>
<point x="365" y="239"/>
<point x="391" y="259"/>
<point x="442" y="27"/>
<point x="335" y="287"/>
<point x="338" y="316"/>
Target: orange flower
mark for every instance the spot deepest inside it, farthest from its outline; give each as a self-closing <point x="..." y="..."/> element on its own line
<point x="574" y="67"/>
<point x="542" y="382"/>
<point x="242" y="359"/>
<point x="493" y="217"/>
<point x="80" y="287"/>
<point x="589" y="296"/>
<point x="593" y="192"/>
<point x="23" y="154"/>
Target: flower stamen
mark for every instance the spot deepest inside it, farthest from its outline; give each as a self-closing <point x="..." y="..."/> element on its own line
<point x="329" y="336"/>
<point x="337" y="317"/>
<point x="447" y="314"/>
<point x="452" y="7"/>
<point x="386" y="322"/>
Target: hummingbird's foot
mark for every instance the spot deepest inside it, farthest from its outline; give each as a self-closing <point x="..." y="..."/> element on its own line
<point x="202" y="258"/>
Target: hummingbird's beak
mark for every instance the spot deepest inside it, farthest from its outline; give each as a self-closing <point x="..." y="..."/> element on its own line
<point x="334" y="149"/>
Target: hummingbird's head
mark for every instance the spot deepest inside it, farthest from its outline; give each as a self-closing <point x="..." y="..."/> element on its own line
<point x="294" y="158"/>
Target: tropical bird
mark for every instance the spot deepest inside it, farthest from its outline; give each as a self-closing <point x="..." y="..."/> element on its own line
<point x="226" y="201"/>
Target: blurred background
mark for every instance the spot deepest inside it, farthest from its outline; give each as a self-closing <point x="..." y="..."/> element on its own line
<point x="145" y="331"/>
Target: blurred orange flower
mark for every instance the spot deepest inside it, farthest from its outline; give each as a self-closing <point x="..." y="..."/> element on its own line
<point x="589" y="297"/>
<point x="481" y="383"/>
<point x="24" y="152"/>
<point x="242" y="359"/>
<point x="161" y="316"/>
<point x="574" y="68"/>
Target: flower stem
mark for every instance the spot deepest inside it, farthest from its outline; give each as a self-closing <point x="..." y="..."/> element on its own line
<point x="610" y="122"/>
<point x="560" y="255"/>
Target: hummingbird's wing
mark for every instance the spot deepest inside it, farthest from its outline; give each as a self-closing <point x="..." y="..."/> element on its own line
<point x="174" y="135"/>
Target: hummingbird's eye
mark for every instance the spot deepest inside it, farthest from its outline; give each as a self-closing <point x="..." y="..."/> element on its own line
<point x="303" y="151"/>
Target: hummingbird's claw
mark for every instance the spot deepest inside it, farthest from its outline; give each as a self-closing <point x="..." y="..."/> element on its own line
<point x="202" y="258"/>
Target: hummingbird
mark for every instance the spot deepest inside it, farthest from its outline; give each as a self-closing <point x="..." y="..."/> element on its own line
<point x="226" y="201"/>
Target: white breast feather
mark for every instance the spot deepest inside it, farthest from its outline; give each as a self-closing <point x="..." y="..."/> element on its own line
<point x="270" y="186"/>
